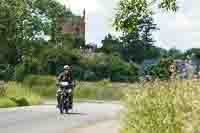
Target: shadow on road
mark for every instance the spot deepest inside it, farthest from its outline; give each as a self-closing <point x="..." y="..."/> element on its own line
<point x="74" y="113"/>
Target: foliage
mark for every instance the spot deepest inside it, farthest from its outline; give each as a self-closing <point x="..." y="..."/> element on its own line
<point x="193" y="52"/>
<point x="167" y="107"/>
<point x="20" y="73"/>
<point x="24" y="24"/>
<point x="134" y="18"/>
<point x="160" y="70"/>
<point x="135" y="46"/>
<point x="100" y="66"/>
<point x="152" y="52"/>
<point x="175" y="53"/>
<point x="44" y="86"/>
<point x="111" y="44"/>
<point x="46" y="81"/>
<point x="137" y="43"/>
<point x="122" y="71"/>
<point x="129" y="12"/>
<point x="29" y="21"/>
<point x="6" y="72"/>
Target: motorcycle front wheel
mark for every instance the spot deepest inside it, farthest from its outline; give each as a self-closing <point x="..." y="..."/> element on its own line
<point x="62" y="105"/>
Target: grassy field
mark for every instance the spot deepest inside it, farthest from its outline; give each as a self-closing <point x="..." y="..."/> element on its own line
<point x="162" y="107"/>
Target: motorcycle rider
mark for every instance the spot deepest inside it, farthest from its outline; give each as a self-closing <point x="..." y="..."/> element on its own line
<point x="65" y="76"/>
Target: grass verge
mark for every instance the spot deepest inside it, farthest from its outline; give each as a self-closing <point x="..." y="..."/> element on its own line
<point x="162" y="107"/>
<point x="18" y="95"/>
<point x="34" y="88"/>
<point x="101" y="90"/>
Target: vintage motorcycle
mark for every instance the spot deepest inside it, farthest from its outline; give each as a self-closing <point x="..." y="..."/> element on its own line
<point x="64" y="101"/>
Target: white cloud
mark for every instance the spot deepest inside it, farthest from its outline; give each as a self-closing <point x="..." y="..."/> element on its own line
<point x="181" y="29"/>
<point x="77" y="6"/>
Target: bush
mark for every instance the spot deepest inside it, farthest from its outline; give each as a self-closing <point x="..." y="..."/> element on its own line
<point x="6" y="72"/>
<point x="122" y="71"/>
<point x="89" y="76"/>
<point x="160" y="70"/>
<point x="19" y="73"/>
<point x="38" y="80"/>
<point x="78" y="72"/>
<point x="100" y="66"/>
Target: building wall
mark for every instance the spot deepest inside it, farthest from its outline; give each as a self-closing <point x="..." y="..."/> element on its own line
<point x="74" y="25"/>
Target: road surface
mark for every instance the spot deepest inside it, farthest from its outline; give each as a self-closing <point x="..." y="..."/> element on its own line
<point x="46" y="119"/>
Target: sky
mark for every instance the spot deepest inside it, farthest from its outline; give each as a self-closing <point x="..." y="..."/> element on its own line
<point x="176" y="30"/>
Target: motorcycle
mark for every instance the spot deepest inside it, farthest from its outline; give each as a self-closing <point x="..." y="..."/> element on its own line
<point x="64" y="93"/>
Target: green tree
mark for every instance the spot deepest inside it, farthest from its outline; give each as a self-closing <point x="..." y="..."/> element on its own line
<point x="129" y="12"/>
<point x="10" y="13"/>
<point x="51" y="10"/>
<point x="134" y="19"/>
<point x="137" y="42"/>
<point x="111" y="44"/>
<point x="193" y="52"/>
<point x="175" y="53"/>
<point x="152" y="52"/>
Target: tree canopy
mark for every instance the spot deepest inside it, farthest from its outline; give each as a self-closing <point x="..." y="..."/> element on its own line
<point x="130" y="12"/>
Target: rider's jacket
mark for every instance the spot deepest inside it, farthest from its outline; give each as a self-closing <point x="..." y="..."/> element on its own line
<point x="64" y="77"/>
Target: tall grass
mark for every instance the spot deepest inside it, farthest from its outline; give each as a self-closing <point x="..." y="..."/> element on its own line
<point x="102" y="90"/>
<point x="44" y="86"/>
<point x="162" y="107"/>
<point x="18" y="95"/>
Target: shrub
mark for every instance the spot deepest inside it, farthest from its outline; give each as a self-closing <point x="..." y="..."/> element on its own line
<point x="122" y="71"/>
<point x="6" y="72"/>
<point x="89" y="76"/>
<point x="38" y="80"/>
<point x="160" y="70"/>
<point x="19" y="73"/>
<point x="78" y="72"/>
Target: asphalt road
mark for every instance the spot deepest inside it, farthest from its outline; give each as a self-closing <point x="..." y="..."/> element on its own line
<point x="46" y="118"/>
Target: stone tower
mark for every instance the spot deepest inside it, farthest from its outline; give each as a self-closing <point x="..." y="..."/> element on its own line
<point x="73" y="25"/>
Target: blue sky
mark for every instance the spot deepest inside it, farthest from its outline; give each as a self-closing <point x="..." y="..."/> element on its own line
<point x="180" y="29"/>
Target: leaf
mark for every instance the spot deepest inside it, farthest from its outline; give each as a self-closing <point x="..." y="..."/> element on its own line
<point x="2" y="26"/>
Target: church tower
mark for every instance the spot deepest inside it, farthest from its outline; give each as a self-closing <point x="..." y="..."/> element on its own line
<point x="83" y="23"/>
